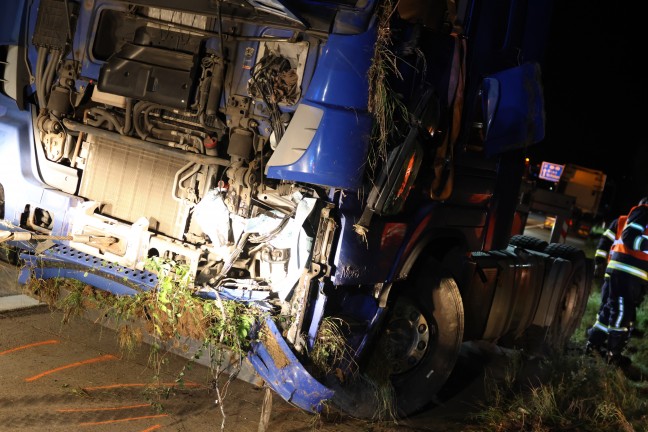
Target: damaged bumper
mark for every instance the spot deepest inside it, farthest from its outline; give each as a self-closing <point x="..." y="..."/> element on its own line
<point x="270" y="356"/>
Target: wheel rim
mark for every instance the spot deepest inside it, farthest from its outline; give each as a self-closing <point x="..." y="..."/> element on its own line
<point x="407" y="336"/>
<point x="572" y="305"/>
<point x="569" y="304"/>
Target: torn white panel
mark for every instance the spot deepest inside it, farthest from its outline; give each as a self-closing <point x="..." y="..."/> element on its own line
<point x="212" y="216"/>
<point x="264" y="224"/>
<point x="294" y="237"/>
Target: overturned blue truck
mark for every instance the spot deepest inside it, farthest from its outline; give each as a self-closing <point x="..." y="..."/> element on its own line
<point x="350" y="159"/>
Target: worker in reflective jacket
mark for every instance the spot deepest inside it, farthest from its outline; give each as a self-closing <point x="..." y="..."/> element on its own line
<point x="626" y="278"/>
<point x="601" y="259"/>
<point x="602" y="255"/>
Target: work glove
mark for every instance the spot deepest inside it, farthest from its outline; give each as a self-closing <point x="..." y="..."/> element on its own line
<point x="599" y="271"/>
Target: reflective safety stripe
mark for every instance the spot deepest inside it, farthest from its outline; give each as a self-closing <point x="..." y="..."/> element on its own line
<point x="637" y="243"/>
<point x="609" y="234"/>
<point x="601" y="253"/>
<point x="621" y="310"/>
<point x="608" y="329"/>
<point x="635" y="271"/>
<point x="636" y="226"/>
<point x="601" y="327"/>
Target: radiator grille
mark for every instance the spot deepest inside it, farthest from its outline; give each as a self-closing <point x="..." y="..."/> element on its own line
<point x="132" y="183"/>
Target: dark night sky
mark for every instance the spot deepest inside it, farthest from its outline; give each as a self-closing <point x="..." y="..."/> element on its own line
<point x="594" y="96"/>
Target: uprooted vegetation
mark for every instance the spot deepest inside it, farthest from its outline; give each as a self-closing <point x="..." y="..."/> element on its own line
<point x="170" y="313"/>
<point x="173" y="316"/>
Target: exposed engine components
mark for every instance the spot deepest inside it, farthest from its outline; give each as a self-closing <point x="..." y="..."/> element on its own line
<point x="241" y="144"/>
<point x="151" y="74"/>
<point x="275" y="80"/>
<point x="59" y="101"/>
<point x="53" y="45"/>
<point x="215" y="86"/>
<point x="56" y="144"/>
<point x="169" y="111"/>
<point x="53" y="144"/>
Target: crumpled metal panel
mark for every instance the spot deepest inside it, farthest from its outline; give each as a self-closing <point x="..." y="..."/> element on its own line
<point x="65" y="262"/>
<point x="282" y="371"/>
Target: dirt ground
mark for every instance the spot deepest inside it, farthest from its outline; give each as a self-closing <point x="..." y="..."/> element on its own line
<point x="62" y="377"/>
<point x="58" y="377"/>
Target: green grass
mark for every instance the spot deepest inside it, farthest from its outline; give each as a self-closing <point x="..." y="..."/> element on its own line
<point x="580" y="394"/>
<point x="577" y="392"/>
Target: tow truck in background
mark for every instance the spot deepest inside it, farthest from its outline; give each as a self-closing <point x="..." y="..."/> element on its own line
<point x="587" y="186"/>
<point x="254" y="142"/>
<point x="571" y="197"/>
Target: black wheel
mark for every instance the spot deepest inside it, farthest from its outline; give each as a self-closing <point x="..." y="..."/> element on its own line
<point x="576" y="291"/>
<point x="567" y="284"/>
<point x="565" y="251"/>
<point x="432" y="310"/>
<point x="415" y="352"/>
<point x="528" y="242"/>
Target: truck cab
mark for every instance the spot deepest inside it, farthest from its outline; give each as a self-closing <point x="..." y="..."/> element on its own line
<point x="350" y="160"/>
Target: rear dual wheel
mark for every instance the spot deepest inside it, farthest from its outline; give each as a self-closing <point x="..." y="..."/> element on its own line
<point x="572" y="292"/>
<point x="573" y="302"/>
<point x="528" y="242"/>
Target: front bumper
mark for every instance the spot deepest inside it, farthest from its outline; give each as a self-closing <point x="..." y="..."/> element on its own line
<point x="271" y="356"/>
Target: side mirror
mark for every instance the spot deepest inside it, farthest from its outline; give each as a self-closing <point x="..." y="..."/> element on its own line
<point x="513" y="107"/>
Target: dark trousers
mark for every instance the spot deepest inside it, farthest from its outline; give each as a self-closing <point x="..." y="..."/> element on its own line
<point x="621" y="294"/>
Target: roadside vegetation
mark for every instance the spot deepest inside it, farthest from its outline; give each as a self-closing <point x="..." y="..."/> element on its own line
<point x="572" y="391"/>
<point x="169" y="316"/>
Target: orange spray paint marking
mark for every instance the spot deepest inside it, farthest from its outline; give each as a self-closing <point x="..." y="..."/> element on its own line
<point x="31" y="345"/>
<point x="152" y="428"/>
<point x="123" y="420"/>
<point x="103" y="409"/>
<point x="71" y="365"/>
